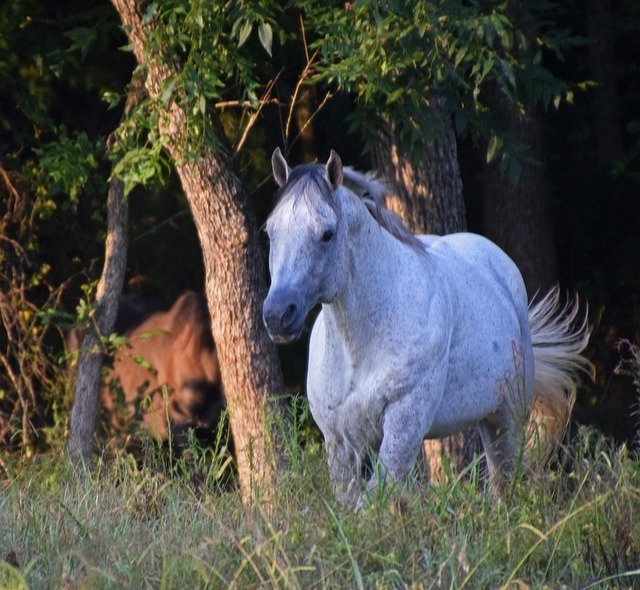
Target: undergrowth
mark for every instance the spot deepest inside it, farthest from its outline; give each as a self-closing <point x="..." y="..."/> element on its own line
<point x="180" y="524"/>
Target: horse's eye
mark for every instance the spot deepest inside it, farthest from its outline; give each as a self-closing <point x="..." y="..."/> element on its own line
<point x="327" y="235"/>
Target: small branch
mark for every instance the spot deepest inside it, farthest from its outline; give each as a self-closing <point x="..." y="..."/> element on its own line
<point x="304" y="39"/>
<point x="294" y="98"/>
<point x="246" y="104"/>
<point x="7" y="181"/>
<point x="326" y="98"/>
<point x="254" y="116"/>
<point x="160" y="225"/>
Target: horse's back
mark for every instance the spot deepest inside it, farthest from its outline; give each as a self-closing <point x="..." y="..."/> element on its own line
<point x="483" y="257"/>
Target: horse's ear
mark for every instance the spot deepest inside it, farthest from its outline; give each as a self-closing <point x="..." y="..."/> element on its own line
<point x="333" y="170"/>
<point x="279" y="167"/>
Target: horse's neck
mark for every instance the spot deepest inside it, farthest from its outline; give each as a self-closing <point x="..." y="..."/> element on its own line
<point x="369" y="302"/>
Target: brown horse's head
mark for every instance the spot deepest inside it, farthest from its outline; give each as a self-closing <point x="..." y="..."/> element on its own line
<point x="168" y="374"/>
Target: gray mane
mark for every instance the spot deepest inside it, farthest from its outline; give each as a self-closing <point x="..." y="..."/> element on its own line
<point x="367" y="187"/>
<point x="372" y="191"/>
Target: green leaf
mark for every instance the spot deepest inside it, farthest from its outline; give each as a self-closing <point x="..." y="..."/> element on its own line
<point x="82" y="39"/>
<point x="153" y="333"/>
<point x="141" y="361"/>
<point x="460" y="56"/>
<point x="395" y="95"/>
<point x="495" y="143"/>
<point x="245" y="31"/>
<point x="167" y="91"/>
<point x="265" y="32"/>
<point x="488" y="64"/>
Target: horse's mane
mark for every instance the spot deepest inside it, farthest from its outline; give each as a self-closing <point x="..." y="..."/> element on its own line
<point x="373" y="191"/>
<point x="190" y="322"/>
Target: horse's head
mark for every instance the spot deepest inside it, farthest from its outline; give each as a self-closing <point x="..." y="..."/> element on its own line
<point x="308" y="255"/>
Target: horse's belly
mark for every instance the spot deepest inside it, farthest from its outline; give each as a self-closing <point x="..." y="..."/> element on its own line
<point x="456" y="413"/>
<point x="474" y="391"/>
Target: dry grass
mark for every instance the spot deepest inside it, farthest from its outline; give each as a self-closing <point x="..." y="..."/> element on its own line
<point x="176" y="526"/>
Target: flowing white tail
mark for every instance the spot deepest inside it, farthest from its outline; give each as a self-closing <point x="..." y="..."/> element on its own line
<point x="558" y="343"/>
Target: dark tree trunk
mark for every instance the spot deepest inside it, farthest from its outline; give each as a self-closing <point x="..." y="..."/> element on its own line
<point x="608" y="129"/>
<point x="516" y="215"/>
<point x="303" y="113"/>
<point x="427" y="194"/>
<point x="234" y="279"/>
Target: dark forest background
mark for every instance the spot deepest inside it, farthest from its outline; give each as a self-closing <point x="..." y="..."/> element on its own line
<point x="64" y="70"/>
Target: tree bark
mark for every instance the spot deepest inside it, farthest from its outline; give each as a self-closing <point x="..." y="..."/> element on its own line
<point x="427" y="194"/>
<point x="303" y="113"/>
<point x="89" y="369"/>
<point x="516" y="215"/>
<point x="235" y="282"/>
<point x="608" y="128"/>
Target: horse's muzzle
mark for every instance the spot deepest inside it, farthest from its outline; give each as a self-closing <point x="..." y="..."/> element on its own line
<point x="283" y="316"/>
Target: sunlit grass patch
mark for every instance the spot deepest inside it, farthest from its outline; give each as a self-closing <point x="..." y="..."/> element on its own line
<point x="170" y="524"/>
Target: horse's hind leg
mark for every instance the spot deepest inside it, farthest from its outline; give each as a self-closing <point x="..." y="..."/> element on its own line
<point x="502" y="434"/>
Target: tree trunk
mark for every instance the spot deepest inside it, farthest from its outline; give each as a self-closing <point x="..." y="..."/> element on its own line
<point x="428" y="196"/>
<point x="233" y="267"/>
<point x="608" y="129"/>
<point x="303" y="113"/>
<point x="516" y="215"/>
<point x="89" y="369"/>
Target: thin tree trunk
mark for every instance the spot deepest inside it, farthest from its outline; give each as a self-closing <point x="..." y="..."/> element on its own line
<point x="234" y="278"/>
<point x="302" y="114"/>
<point x="427" y="194"/>
<point x="89" y="369"/>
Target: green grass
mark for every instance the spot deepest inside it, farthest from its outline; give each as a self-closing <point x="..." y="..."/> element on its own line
<point x="176" y="526"/>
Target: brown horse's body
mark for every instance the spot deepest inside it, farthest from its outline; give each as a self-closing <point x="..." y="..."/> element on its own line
<point x="169" y="369"/>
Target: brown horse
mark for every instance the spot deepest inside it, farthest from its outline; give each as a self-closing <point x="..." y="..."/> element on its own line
<point x="169" y="370"/>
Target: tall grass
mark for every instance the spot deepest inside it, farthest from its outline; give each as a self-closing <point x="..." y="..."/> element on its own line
<point x="630" y="365"/>
<point x="181" y="524"/>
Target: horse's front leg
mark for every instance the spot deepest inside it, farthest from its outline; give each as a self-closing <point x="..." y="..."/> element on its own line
<point x="405" y="423"/>
<point x="344" y="469"/>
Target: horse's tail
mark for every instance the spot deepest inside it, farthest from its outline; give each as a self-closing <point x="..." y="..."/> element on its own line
<point x="559" y="338"/>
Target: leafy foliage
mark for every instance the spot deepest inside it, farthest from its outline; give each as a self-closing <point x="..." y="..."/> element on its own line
<point x="29" y="379"/>
<point x="52" y="174"/>
<point x="71" y="163"/>
<point x="215" y="61"/>
<point x="405" y="60"/>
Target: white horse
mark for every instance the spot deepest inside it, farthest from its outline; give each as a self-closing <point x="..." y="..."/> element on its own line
<point x="418" y="337"/>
